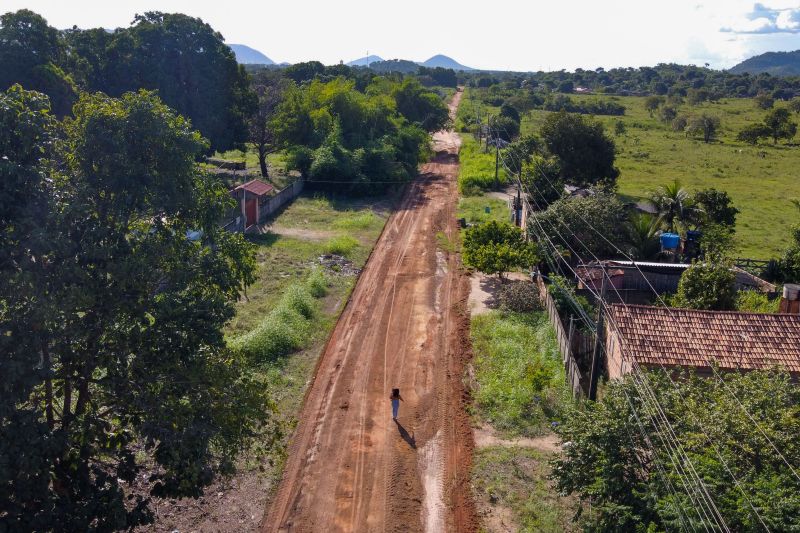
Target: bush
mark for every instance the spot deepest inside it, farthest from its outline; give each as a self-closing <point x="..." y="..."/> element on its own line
<point x="497" y="248"/>
<point x="317" y="283"/>
<point x="342" y="245"/>
<point x="756" y="302"/>
<point x="287" y="327"/>
<point x="519" y="297"/>
<point x="706" y="286"/>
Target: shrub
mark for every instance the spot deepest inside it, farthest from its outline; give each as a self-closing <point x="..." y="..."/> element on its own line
<point x="519" y="297"/>
<point x="317" y="283"/>
<point x="287" y="327"/>
<point x="706" y="286"/>
<point x="756" y="302"/>
<point x="342" y="245"/>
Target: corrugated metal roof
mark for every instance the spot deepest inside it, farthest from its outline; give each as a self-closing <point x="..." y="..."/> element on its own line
<point x="688" y="337"/>
<point x="256" y="187"/>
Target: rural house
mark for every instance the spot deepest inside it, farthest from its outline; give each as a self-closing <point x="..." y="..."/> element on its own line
<point x="688" y="339"/>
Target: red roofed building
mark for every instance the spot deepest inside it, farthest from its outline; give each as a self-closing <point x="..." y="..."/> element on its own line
<point x="252" y="196"/>
<point x="656" y="336"/>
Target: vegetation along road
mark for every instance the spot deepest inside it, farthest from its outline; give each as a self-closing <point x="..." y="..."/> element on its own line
<point x="350" y="467"/>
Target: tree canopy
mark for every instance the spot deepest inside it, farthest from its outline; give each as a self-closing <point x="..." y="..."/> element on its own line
<point x="181" y="57"/>
<point x="32" y="54"/>
<point x="342" y="138"/>
<point x="584" y="152"/>
<point x="497" y="248"/>
<point x="111" y="317"/>
<point x="618" y="459"/>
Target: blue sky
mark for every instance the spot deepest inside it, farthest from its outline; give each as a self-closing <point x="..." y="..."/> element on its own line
<point x="502" y="34"/>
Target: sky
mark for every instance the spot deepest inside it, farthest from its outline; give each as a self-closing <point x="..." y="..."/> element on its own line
<point x="523" y="35"/>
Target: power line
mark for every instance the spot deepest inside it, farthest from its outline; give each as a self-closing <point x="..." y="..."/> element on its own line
<point x="602" y="304"/>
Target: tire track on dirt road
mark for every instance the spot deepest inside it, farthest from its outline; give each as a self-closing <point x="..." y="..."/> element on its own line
<point x="350" y="468"/>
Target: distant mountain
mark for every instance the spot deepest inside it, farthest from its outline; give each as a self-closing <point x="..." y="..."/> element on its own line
<point x="250" y="56"/>
<point x="364" y="61"/>
<point x="445" y="62"/>
<point x="773" y="63"/>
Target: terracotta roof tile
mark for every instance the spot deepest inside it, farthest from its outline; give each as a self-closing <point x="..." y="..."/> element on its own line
<point x="257" y="187"/>
<point x="686" y="337"/>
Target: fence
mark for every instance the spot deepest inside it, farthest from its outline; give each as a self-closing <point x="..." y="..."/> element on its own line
<point x="266" y="207"/>
<point x="569" y="342"/>
<point x="274" y="203"/>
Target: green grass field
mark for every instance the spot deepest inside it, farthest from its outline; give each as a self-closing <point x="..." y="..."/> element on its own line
<point x="761" y="179"/>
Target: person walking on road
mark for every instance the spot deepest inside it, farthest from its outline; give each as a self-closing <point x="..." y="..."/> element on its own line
<point x="396" y="399"/>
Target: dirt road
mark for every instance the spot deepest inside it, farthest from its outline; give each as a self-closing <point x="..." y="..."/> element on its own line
<point x="350" y="467"/>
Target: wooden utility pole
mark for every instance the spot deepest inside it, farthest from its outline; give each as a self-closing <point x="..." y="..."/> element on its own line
<point x="496" y="163"/>
<point x="598" y="339"/>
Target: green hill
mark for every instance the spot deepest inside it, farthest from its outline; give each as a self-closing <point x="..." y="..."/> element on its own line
<point x="773" y="63"/>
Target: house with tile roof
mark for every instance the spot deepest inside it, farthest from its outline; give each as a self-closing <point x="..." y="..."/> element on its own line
<point x="652" y="337"/>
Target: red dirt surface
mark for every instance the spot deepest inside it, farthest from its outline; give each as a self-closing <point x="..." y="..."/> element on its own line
<point x="350" y="467"/>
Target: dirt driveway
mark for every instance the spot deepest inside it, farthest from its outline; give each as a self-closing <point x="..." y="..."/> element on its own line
<point x="350" y="467"/>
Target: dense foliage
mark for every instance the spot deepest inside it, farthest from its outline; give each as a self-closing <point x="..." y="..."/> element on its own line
<point x="181" y="57"/>
<point x="584" y="152"/>
<point x="586" y="225"/>
<point x="617" y="457"/>
<point x="707" y="286"/>
<point x="698" y="83"/>
<point x="497" y="248"/>
<point x="33" y="54"/>
<point x="344" y="139"/>
<point x="111" y="318"/>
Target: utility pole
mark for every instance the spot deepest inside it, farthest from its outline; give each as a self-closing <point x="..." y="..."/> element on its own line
<point x="496" y="163"/>
<point x="598" y="339"/>
<point x="518" y="202"/>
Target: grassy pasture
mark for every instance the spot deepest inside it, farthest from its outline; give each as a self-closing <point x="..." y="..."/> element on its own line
<point x="761" y="179"/>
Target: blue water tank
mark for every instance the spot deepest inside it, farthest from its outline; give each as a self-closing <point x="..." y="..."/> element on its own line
<point x="670" y="241"/>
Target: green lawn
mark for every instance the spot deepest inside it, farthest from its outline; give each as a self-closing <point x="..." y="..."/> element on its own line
<point x="283" y="260"/>
<point x="473" y="209"/>
<point x="518" y="370"/>
<point x="761" y="180"/>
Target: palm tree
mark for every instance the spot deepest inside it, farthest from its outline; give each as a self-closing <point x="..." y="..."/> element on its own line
<point x="642" y="230"/>
<point x="674" y="205"/>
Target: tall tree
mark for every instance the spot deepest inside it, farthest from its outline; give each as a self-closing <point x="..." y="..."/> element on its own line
<point x="704" y="125"/>
<point x="31" y="54"/>
<point x="270" y="87"/>
<point x="619" y="461"/>
<point x="113" y="319"/>
<point x="584" y="151"/>
<point x="779" y="124"/>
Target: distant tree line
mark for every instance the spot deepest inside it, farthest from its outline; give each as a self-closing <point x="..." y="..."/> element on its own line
<point x="700" y="83"/>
